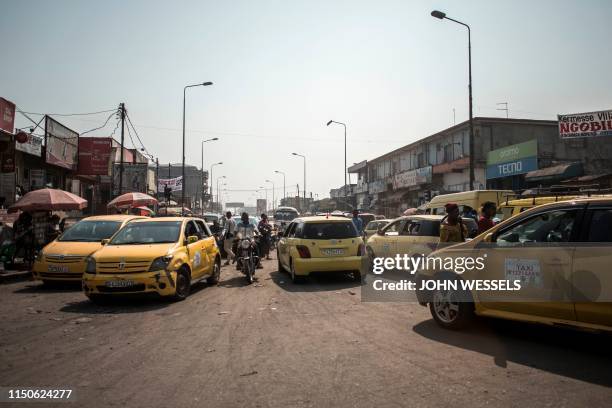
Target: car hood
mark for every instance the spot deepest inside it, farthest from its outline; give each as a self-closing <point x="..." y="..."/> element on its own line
<point x="115" y="253"/>
<point x="71" y="248"/>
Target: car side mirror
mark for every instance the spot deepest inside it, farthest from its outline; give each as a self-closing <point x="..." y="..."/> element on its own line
<point x="488" y="237"/>
<point x="380" y="232"/>
<point x="105" y="241"/>
<point x="192" y="238"/>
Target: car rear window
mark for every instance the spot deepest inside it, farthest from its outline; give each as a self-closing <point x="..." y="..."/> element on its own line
<point x="329" y="230"/>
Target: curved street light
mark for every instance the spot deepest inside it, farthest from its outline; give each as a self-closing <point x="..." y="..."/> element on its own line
<point x="303" y="157"/>
<point x="273" y="196"/>
<point x="345" y="167"/>
<point x="202" y="167"/>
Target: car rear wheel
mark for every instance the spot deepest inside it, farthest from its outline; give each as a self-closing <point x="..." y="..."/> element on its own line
<point x="216" y="274"/>
<point x="280" y="265"/>
<point x="295" y="278"/>
<point x="451" y="309"/>
<point x="183" y="284"/>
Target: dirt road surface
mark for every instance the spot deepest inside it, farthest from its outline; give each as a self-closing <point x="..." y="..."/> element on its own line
<point x="276" y="344"/>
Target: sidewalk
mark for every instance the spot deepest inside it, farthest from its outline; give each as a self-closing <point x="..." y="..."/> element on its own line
<point x="14" y="275"/>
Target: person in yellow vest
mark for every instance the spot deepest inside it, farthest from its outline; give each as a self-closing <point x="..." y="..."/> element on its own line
<point x="452" y="229"/>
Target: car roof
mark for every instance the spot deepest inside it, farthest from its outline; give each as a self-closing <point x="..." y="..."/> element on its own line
<point x="114" y="217"/>
<point x="322" y="218"/>
<point x="428" y="217"/>
<point x="167" y="219"/>
<point x="530" y="201"/>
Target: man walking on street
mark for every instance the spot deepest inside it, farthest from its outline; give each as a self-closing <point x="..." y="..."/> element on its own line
<point x="357" y="222"/>
<point x="228" y="237"/>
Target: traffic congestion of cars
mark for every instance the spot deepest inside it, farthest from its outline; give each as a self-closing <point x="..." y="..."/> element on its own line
<point x="562" y="243"/>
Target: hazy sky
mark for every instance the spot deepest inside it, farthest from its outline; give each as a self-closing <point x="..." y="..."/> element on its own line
<point x="282" y="69"/>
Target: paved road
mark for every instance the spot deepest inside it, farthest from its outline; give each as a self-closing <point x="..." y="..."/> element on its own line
<point x="282" y="345"/>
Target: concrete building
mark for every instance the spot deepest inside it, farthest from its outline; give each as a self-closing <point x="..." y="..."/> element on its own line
<point x="508" y="154"/>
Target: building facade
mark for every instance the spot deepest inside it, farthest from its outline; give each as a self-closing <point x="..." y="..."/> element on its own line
<point x="511" y="154"/>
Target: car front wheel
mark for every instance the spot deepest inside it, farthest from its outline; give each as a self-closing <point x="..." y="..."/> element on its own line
<point x="451" y="309"/>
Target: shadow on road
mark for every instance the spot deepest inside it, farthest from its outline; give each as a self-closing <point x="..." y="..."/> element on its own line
<point x="59" y="287"/>
<point x="316" y="282"/>
<point x="579" y="355"/>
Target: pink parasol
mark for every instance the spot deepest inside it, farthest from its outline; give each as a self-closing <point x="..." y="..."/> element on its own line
<point x="128" y="200"/>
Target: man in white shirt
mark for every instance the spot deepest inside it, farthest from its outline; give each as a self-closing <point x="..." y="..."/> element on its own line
<point x="229" y="231"/>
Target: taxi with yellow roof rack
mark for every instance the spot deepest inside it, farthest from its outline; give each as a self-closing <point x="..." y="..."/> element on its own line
<point x="64" y="259"/>
<point x="162" y="256"/>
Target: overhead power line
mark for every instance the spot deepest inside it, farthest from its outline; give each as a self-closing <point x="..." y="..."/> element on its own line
<point x="71" y="114"/>
<point x="100" y="127"/>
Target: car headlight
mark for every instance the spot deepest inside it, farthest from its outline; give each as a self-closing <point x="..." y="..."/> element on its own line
<point x="91" y="265"/>
<point x="245" y="244"/>
<point x="160" y="263"/>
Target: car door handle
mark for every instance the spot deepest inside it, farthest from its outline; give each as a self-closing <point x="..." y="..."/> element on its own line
<point x="556" y="261"/>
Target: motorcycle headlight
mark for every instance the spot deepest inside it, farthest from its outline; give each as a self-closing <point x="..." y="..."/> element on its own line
<point x="91" y="265"/>
<point x="160" y="263"/>
<point x="245" y="244"/>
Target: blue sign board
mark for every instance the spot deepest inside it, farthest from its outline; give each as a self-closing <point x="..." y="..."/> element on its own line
<point x="512" y="168"/>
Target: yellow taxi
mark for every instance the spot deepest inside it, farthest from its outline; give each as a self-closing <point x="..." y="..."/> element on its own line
<point x="374" y="226"/>
<point x="64" y="258"/>
<point x="511" y="208"/>
<point x="413" y="235"/>
<point x="163" y="256"/>
<point x="320" y="244"/>
<point x="551" y="264"/>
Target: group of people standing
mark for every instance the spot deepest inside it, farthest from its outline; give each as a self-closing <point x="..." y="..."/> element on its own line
<point x="453" y="229"/>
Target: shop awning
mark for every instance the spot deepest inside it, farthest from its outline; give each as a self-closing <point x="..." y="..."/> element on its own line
<point x="559" y="172"/>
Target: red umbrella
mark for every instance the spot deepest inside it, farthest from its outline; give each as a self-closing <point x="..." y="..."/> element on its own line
<point x="49" y="199"/>
<point x="132" y="200"/>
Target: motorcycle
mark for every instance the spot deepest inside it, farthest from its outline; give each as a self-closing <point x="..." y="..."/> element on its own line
<point x="247" y="257"/>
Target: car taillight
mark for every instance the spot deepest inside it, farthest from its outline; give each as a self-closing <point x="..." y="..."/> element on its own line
<point x="361" y="250"/>
<point x="303" y="251"/>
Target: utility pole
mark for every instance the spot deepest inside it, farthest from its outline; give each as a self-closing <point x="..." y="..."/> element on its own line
<point x="157" y="177"/>
<point x="122" y="108"/>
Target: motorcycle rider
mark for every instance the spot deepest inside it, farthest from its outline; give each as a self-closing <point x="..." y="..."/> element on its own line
<point x="228" y="237"/>
<point x="244" y="229"/>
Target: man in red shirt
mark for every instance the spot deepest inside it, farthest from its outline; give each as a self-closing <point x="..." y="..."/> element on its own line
<point x="485" y="221"/>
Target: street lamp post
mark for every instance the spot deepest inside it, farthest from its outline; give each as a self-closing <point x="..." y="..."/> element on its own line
<point x="442" y="16"/>
<point x="303" y="157"/>
<point x="273" y="196"/>
<point x="212" y="197"/>
<point x="183" y="165"/>
<point x="266" y="190"/>
<point x="218" y="206"/>
<point x="284" y="191"/>
<point x="345" y="168"/>
<point x="202" y="181"/>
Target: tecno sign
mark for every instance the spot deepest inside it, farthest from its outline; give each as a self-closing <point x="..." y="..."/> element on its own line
<point x="512" y="160"/>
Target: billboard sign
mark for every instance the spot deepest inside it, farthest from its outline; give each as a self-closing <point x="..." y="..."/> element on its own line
<point x="134" y="178"/>
<point x="412" y="177"/>
<point x="33" y="145"/>
<point x="7" y="115"/>
<point x="94" y="156"/>
<point x="175" y="184"/>
<point x="234" y="205"/>
<point x="61" y="144"/>
<point x="512" y="160"/>
<point x="262" y="205"/>
<point x="590" y="124"/>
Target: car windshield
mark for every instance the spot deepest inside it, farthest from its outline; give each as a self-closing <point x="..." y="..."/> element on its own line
<point x="160" y="232"/>
<point x="285" y="215"/>
<point x="90" y="231"/>
<point x="329" y="230"/>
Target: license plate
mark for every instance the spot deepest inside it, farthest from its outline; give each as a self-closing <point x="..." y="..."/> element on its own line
<point x="119" y="284"/>
<point x="58" y="268"/>
<point x="332" y="251"/>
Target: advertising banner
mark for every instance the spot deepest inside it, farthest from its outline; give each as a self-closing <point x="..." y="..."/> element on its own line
<point x="175" y="184"/>
<point x="33" y="146"/>
<point x="7" y="115"/>
<point x="412" y="177"/>
<point x="262" y="205"/>
<point x="512" y="160"/>
<point x="61" y="144"/>
<point x="94" y="156"/>
<point x="134" y="178"/>
<point x="590" y="124"/>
